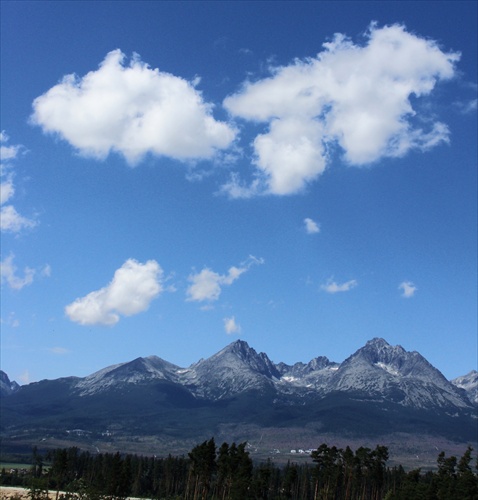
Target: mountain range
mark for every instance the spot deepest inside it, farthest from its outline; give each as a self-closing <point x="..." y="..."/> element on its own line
<point x="380" y="390"/>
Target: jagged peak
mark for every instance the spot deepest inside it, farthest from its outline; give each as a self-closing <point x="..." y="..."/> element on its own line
<point x="381" y="344"/>
<point x="7" y="386"/>
<point x="240" y="349"/>
<point x="239" y="346"/>
<point x="471" y="374"/>
<point x="378" y="341"/>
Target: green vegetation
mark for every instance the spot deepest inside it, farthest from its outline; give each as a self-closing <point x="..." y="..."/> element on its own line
<point x="228" y="473"/>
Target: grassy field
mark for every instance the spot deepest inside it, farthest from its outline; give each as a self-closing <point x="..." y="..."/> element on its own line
<point x="14" y="465"/>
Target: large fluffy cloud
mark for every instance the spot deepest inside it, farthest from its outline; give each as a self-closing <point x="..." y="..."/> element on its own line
<point x="207" y="284"/>
<point x="130" y="292"/>
<point x="131" y="109"/>
<point x="355" y="96"/>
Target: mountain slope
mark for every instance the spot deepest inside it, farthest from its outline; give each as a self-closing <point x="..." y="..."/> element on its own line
<point x="138" y="371"/>
<point x="378" y="390"/>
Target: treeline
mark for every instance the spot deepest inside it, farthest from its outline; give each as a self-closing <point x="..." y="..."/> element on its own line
<point x="227" y="472"/>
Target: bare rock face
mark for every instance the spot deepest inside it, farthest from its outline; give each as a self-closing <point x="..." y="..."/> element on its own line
<point x="7" y="387"/>
<point x="469" y="383"/>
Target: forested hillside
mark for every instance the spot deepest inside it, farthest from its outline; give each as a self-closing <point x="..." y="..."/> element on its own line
<point x="227" y="472"/>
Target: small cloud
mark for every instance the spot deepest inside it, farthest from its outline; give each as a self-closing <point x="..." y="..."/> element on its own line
<point x="130" y="292"/>
<point x="230" y="325"/>
<point x="236" y="189"/>
<point x="46" y="271"/>
<point x="207" y="284"/>
<point x="7" y="153"/>
<point x="6" y="190"/>
<point x="408" y="289"/>
<point x="311" y="226"/>
<point x="10" y="220"/>
<point x="468" y="107"/>
<point x="9" y="274"/>
<point x="333" y="287"/>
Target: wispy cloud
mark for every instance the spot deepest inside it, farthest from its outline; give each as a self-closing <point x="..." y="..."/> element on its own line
<point x="10" y="276"/>
<point x="467" y="107"/>
<point x="130" y="292"/>
<point x="333" y="287"/>
<point x="11" y="321"/>
<point x="10" y="220"/>
<point x="7" y="153"/>
<point x="357" y="96"/>
<point x="231" y="326"/>
<point x="408" y="289"/>
<point x="311" y="226"/>
<point x="13" y="280"/>
<point x="133" y="110"/>
<point x="207" y="284"/>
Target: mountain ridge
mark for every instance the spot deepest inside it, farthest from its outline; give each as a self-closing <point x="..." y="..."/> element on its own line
<point x="238" y="367"/>
<point x="237" y="394"/>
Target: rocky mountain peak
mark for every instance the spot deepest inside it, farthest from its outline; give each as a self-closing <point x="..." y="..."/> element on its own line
<point x="468" y="383"/>
<point x="384" y="370"/>
<point x="7" y="386"/>
<point x="136" y="371"/>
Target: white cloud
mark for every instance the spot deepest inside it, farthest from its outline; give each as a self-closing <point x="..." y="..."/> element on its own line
<point x="6" y="190"/>
<point x="9" y="274"/>
<point x="133" y="110"/>
<point x="10" y="277"/>
<point x="130" y="292"/>
<point x="46" y="271"/>
<point x="357" y="96"/>
<point x="467" y="107"/>
<point x="332" y="287"/>
<point x="207" y="284"/>
<point x="10" y="220"/>
<point x="231" y="326"/>
<point x="7" y="153"/>
<point x="311" y="226"/>
<point x="408" y="289"/>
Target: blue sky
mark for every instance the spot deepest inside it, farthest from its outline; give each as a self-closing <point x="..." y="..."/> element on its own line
<point x="178" y="175"/>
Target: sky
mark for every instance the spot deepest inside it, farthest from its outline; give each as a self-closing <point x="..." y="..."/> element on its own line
<point x="179" y="175"/>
